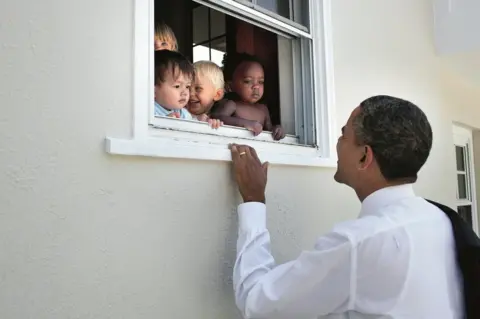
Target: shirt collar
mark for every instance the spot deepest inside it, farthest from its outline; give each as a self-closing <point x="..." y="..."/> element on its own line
<point x="385" y="196"/>
<point x="160" y="110"/>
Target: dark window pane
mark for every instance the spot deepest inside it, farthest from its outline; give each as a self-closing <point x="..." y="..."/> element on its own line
<point x="209" y="40"/>
<point x="462" y="186"/>
<point x="296" y="10"/>
<point x="300" y="12"/>
<point x="280" y="7"/>
<point x="460" y="154"/>
<point x="217" y="24"/>
<point x="466" y="213"/>
<point x="200" y="24"/>
<point x="218" y="49"/>
<point x="220" y="44"/>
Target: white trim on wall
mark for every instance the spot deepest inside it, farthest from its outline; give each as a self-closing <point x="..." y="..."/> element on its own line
<point x="169" y="142"/>
<point x="463" y="137"/>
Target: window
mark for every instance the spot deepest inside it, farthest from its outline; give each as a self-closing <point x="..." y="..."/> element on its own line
<point x="292" y="39"/>
<point x="466" y="196"/>
<point x="209" y="34"/>
<point x="294" y="10"/>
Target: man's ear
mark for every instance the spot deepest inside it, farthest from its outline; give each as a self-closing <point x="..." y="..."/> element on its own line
<point x="367" y="158"/>
<point x="218" y="95"/>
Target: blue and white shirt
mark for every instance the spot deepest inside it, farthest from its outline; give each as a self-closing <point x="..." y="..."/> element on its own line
<point x="161" y="111"/>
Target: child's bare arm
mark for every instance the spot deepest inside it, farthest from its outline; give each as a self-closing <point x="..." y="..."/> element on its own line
<point x="277" y="130"/>
<point x="267" y="124"/>
<point x="224" y="112"/>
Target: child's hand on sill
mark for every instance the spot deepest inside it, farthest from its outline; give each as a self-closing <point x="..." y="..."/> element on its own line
<point x="214" y="123"/>
<point x="174" y="115"/>
<point x="278" y="133"/>
<point x="255" y="127"/>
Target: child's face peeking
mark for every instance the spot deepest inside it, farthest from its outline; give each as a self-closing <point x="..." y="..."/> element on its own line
<point x="203" y="95"/>
<point x="163" y="44"/>
<point x="248" y="81"/>
<point x="174" y="92"/>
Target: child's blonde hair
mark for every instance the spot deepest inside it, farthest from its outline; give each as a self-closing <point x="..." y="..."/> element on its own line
<point x="164" y="33"/>
<point x="212" y="71"/>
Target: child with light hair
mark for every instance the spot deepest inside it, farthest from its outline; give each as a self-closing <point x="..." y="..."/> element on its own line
<point x="207" y="89"/>
<point x="165" y="38"/>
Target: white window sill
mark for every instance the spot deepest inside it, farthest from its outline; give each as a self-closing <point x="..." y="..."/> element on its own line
<point x="173" y="143"/>
<point x="179" y="126"/>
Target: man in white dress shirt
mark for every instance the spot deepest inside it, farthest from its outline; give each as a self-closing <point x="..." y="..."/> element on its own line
<point x="396" y="260"/>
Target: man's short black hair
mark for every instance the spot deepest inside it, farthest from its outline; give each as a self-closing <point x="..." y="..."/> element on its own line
<point x="174" y="62"/>
<point x="232" y="60"/>
<point x="399" y="134"/>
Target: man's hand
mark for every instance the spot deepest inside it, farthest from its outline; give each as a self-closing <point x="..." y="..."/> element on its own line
<point x="250" y="173"/>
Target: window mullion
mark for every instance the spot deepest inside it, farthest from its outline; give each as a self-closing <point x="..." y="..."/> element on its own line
<point x="307" y="91"/>
<point x="253" y="14"/>
<point x="300" y="128"/>
<point x="209" y="13"/>
<point x="290" y="8"/>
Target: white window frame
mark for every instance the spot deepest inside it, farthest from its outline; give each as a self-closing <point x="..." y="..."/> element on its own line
<point x="172" y="138"/>
<point x="463" y="137"/>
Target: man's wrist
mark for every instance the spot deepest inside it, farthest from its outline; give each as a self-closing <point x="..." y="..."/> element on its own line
<point x="252" y="216"/>
<point x="254" y="199"/>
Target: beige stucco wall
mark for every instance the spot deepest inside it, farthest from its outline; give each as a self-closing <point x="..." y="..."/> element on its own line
<point x="87" y="235"/>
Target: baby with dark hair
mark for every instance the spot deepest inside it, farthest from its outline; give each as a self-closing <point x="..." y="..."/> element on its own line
<point x="173" y="78"/>
<point x="241" y="106"/>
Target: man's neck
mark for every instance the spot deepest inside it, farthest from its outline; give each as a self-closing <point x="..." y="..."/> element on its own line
<point x="372" y="187"/>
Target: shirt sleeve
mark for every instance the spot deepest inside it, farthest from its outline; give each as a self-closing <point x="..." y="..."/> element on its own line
<point x="187" y="115"/>
<point x="317" y="283"/>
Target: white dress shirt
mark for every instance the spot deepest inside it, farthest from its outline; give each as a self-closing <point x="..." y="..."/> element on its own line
<point x="397" y="260"/>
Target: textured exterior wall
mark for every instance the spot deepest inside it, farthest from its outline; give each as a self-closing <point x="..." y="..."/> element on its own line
<point x="88" y="235"/>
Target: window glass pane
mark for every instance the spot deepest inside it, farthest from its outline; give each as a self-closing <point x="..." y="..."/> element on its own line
<point x="201" y="53"/>
<point x="280" y="7"/>
<point x="286" y="80"/>
<point x="209" y="35"/>
<point x="460" y="154"/>
<point x="218" y="49"/>
<point x="300" y="12"/>
<point x="213" y="53"/>
<point x="205" y="32"/>
<point x="466" y="213"/>
<point x="200" y="24"/>
<point x="217" y="24"/>
<point x="462" y="186"/>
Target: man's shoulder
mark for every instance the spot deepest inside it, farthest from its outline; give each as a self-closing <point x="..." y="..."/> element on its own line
<point x="358" y="229"/>
<point x="392" y="220"/>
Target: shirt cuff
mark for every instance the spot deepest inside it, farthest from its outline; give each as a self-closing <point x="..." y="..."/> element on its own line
<point x="252" y="216"/>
